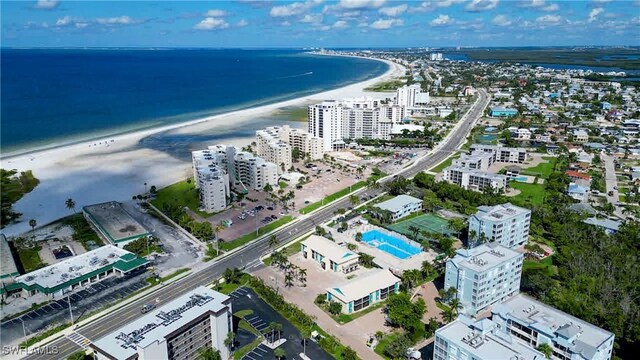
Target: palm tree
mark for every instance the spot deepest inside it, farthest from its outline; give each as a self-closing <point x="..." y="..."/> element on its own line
<point x="231" y="275"/>
<point x="302" y="276"/>
<point x="455" y="305"/>
<point x="268" y="188"/>
<point x="414" y="231"/>
<point x="70" y="204"/>
<point x="209" y="353"/>
<point x="426" y="268"/>
<point x="456" y="225"/>
<point x="33" y="223"/>
<point x="230" y="340"/>
<point x="545" y="349"/>
<point x="273" y="240"/>
<point x="306" y="334"/>
<point x="279" y="353"/>
<point x="358" y="236"/>
<point x="448" y="315"/>
<point x="288" y="280"/>
<point x="354" y="200"/>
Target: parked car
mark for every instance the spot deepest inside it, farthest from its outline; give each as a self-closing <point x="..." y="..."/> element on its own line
<point x="274" y="217"/>
<point x="270" y="208"/>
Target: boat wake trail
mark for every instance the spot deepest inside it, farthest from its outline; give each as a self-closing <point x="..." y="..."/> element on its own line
<point x="294" y="76"/>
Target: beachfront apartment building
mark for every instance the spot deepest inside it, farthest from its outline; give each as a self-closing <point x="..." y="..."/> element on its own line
<point x="329" y="255"/>
<point x="180" y="329"/>
<point x="213" y="185"/>
<point x="474" y="179"/>
<point x="483" y="276"/>
<point x="466" y="338"/>
<point x="401" y="206"/>
<point x="248" y="171"/>
<point x="363" y="291"/>
<point x="271" y="148"/>
<point x="532" y="323"/>
<point x="410" y="96"/>
<point x="309" y="145"/>
<point x="76" y="272"/>
<point x="502" y="153"/>
<point x="325" y="122"/>
<point x="505" y="224"/>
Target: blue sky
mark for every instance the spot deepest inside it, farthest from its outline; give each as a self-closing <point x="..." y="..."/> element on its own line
<point x="317" y="23"/>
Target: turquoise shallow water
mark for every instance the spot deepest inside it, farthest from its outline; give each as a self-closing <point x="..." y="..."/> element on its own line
<point x="53" y="96"/>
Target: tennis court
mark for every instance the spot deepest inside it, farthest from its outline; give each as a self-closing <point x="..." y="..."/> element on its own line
<point x="427" y="222"/>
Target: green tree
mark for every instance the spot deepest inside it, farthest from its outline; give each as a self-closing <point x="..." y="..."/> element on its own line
<point x="33" y="223"/>
<point x="546" y="349"/>
<point x="14" y="186"/>
<point x="78" y="355"/>
<point x="397" y="349"/>
<point x="366" y="260"/>
<point x="335" y="308"/>
<point x="305" y="333"/>
<point x="230" y="340"/>
<point x="354" y="200"/>
<point x="71" y="205"/>
<point x="279" y="353"/>
<point x="406" y="314"/>
<point x="273" y="240"/>
<point x="231" y="275"/>
<point x="349" y="354"/>
<point x="358" y="236"/>
<point x="209" y="353"/>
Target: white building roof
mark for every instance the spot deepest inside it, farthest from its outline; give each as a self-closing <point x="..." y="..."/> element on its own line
<point x="157" y="324"/>
<point x="330" y="249"/>
<point x="484" y="341"/>
<point x="76" y="267"/>
<point x="398" y="203"/>
<point x="484" y="257"/>
<point x="362" y="286"/>
<point x="501" y="212"/>
<point x="546" y="319"/>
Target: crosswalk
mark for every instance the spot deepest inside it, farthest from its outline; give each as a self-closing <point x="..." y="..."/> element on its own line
<point x="82" y="341"/>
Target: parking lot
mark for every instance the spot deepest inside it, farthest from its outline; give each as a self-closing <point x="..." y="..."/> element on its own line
<point x="244" y="298"/>
<point x="83" y="303"/>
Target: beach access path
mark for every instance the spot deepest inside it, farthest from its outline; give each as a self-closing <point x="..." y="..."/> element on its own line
<point x="116" y="168"/>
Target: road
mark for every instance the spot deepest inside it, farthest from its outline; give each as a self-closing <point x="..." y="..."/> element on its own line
<point x="249" y="256"/>
<point x="611" y="181"/>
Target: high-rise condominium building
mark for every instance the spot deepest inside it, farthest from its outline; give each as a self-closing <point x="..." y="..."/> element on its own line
<point x="411" y="96"/>
<point x="483" y="276"/>
<point x="505" y="224"/>
<point x="310" y="147"/>
<point x="178" y="330"/>
<point x="272" y="148"/>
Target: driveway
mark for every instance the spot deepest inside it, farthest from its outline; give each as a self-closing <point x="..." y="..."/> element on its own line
<point x="611" y="183"/>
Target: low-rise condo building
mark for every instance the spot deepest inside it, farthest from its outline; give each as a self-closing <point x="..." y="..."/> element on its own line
<point x="483" y="276"/>
<point x="113" y="223"/>
<point x="401" y="206"/>
<point x="474" y="179"/>
<point x="533" y="323"/>
<point x="177" y="330"/>
<point x="501" y="153"/>
<point x="505" y="224"/>
<point x="76" y="272"/>
<point x="475" y="161"/>
<point x="329" y="255"/>
<point x="361" y="292"/>
<point x="466" y="338"/>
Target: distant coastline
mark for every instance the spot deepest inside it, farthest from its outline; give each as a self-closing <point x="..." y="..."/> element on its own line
<point x="163" y="123"/>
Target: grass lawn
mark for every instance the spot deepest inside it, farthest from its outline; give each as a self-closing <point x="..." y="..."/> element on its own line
<point x="226" y="246"/>
<point x="153" y="281"/>
<point x="386" y="340"/>
<point x="386" y="86"/>
<point x="345" y="318"/>
<point x="30" y="258"/>
<point x="227" y="288"/>
<point x="438" y="168"/>
<point x="291" y="249"/>
<point x="83" y="232"/>
<point x="311" y="207"/>
<point x="243" y="313"/>
<point x="532" y="194"/>
<point x="542" y="170"/>
<point x="182" y="193"/>
<point x="546" y="264"/>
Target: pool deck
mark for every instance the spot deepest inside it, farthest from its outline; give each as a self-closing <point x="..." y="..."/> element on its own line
<point x="382" y="258"/>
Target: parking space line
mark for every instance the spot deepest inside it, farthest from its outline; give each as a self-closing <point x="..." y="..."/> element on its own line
<point x="253" y="318"/>
<point x="259" y="348"/>
<point x="247" y="356"/>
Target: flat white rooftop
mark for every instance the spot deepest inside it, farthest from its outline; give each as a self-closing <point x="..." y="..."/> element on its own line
<point x="549" y="320"/>
<point x="329" y="249"/>
<point x="362" y="286"/>
<point x="114" y="221"/>
<point x="500" y="212"/>
<point x="81" y="265"/>
<point x="159" y="323"/>
<point x="481" y="339"/>
<point x="484" y="257"/>
<point x="398" y="203"/>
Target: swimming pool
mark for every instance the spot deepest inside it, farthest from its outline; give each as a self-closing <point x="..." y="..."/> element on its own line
<point x="390" y="244"/>
<point x="521" y="179"/>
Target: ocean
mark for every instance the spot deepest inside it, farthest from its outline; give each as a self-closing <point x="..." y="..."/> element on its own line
<point x="55" y="96"/>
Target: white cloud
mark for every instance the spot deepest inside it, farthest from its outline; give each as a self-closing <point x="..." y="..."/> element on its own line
<point x="601" y="1"/>
<point x="551" y="7"/>
<point x="312" y="18"/>
<point x="550" y="19"/>
<point x="340" y="24"/>
<point x="442" y="20"/>
<point x="361" y="4"/>
<point x="285" y="23"/>
<point x="501" y="20"/>
<point x="394" y="11"/>
<point x="119" y="20"/>
<point x="46" y="4"/>
<point x="211" y="23"/>
<point x="593" y="14"/>
<point x="81" y="25"/>
<point x="533" y="4"/>
<point x="242" y="23"/>
<point x="481" y="5"/>
<point x="296" y="8"/>
<point x="427" y="6"/>
<point x="64" y="21"/>
<point x="381" y="24"/>
<point x="215" y="13"/>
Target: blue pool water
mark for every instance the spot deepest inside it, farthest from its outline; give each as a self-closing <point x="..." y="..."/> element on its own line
<point x="521" y="179"/>
<point x="390" y="244"/>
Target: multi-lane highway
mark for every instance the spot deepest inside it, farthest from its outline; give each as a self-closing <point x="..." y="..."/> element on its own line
<point x="251" y="253"/>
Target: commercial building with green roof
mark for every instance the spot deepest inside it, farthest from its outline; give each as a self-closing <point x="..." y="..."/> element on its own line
<point x="113" y="223"/>
<point x="76" y="272"/>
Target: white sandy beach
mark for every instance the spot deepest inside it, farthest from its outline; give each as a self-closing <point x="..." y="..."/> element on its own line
<point x="91" y="174"/>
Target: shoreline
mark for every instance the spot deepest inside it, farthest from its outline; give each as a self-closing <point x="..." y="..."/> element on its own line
<point x="150" y="130"/>
<point x="117" y="168"/>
